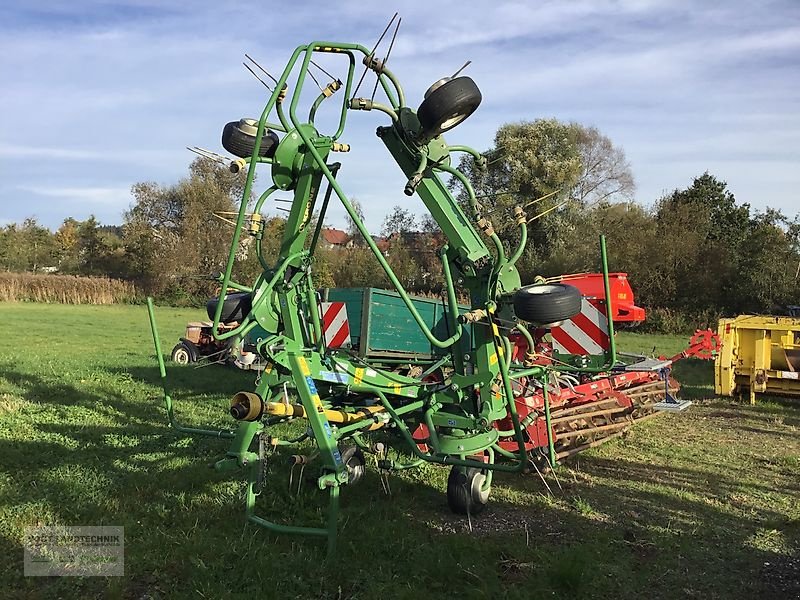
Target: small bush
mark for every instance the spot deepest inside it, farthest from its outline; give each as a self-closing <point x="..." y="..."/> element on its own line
<point x="64" y="289"/>
<point x="664" y="320"/>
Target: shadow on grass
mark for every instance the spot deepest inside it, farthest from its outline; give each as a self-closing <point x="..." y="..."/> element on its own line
<point x="696" y="378"/>
<point x="185" y="524"/>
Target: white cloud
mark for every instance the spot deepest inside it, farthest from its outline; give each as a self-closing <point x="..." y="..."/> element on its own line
<point x="111" y="94"/>
<point x="89" y="195"/>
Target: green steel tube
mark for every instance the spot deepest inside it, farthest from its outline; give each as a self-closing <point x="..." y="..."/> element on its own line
<point x="398" y="466"/>
<point x="311" y="299"/>
<point x="301" y="77"/>
<point x="319" y="100"/>
<point x="523" y="241"/>
<point x="167" y="398"/>
<point x="512" y="407"/>
<point x="263" y="197"/>
<point x="611" y="355"/>
<point x="529" y="372"/>
<point x="322" y="211"/>
<point x="508" y="350"/>
<point x="401" y="97"/>
<point x="281" y="115"/>
<point x="347" y="89"/>
<point x="354" y="427"/>
<point x="446" y="459"/>
<point x="378" y="254"/>
<point x="501" y="253"/>
<point x="274" y="127"/>
<point x="503" y="451"/>
<point x="452" y="301"/>
<point x="239" y="287"/>
<point x="550" y="443"/>
<point x="473" y="201"/>
<point x="386" y="109"/>
<point x="328" y="532"/>
<point x="434" y="437"/>
<point x="467" y="150"/>
<point x="383" y="78"/>
<point x="248" y="186"/>
<point x="527" y="335"/>
<point x="265" y="293"/>
<point x="612" y="346"/>
<point x="264" y="264"/>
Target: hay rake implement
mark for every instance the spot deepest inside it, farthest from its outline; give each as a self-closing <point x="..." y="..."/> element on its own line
<point x="475" y="399"/>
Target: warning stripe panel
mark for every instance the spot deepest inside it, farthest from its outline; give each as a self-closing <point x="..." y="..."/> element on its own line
<point x="329" y="312"/>
<point x="581" y="338"/>
<point x="335" y="325"/>
<point x="564" y="344"/>
<point x="586" y="333"/>
<point x="583" y="323"/>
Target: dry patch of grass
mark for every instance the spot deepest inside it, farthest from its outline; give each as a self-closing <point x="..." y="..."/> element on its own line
<point x="64" y="289"/>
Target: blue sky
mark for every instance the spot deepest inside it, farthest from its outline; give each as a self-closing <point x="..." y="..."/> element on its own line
<point x="98" y="95"/>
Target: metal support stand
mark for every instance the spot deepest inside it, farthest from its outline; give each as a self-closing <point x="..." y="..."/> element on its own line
<point x="670" y="402"/>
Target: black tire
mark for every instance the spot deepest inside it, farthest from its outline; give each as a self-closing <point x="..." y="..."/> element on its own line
<point x="547" y="303"/>
<point x="448" y="105"/>
<point x="356" y="464"/>
<point x="235" y="307"/>
<point x="239" y="138"/>
<point x="464" y="494"/>
<point x="184" y="353"/>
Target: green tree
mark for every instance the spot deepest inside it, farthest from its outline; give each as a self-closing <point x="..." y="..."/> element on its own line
<point x="399" y="220"/>
<point x="554" y="170"/>
<point x="701" y="271"/>
<point x="91" y="249"/>
<point x="27" y="247"/>
<point x="66" y="239"/>
<point x="172" y="238"/>
<point x="767" y="273"/>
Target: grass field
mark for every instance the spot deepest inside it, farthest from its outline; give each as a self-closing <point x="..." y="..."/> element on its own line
<point x="703" y="504"/>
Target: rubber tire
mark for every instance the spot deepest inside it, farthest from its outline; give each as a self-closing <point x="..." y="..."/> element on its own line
<point x="458" y="97"/>
<point x="238" y="138"/>
<point x="235" y="307"/>
<point x="184" y="353"/>
<point x="461" y="495"/>
<point x="547" y="303"/>
<point x="353" y="458"/>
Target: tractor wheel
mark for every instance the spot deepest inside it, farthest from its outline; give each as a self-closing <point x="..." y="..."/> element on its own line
<point x="234" y="308"/>
<point x="446" y="105"/>
<point x="184" y="353"/>
<point x="353" y="458"/>
<point x="547" y="304"/>
<point x="239" y="138"/>
<point x="464" y="493"/>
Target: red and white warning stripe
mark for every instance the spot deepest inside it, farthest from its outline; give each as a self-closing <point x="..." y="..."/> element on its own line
<point x="585" y="333"/>
<point x="335" y="325"/>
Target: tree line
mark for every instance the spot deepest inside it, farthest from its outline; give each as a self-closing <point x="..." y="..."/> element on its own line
<point x="693" y="254"/>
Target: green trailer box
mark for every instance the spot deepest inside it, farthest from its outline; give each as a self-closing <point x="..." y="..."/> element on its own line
<point x="382" y="326"/>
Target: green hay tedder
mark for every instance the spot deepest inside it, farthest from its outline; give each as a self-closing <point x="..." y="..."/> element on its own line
<point x="474" y="404"/>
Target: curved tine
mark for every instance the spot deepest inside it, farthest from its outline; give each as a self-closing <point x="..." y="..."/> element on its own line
<point x="253" y="73"/>
<point x="323" y="70"/>
<point x="372" y="53"/>
<point x="262" y="69"/>
<point x="386" y="59"/>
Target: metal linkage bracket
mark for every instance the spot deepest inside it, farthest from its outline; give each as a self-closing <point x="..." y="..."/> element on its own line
<point x="670" y="402"/>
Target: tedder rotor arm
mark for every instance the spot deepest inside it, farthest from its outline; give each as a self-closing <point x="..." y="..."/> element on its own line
<point x="339" y="394"/>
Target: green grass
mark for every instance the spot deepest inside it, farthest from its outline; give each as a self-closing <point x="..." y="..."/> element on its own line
<point x="702" y="504"/>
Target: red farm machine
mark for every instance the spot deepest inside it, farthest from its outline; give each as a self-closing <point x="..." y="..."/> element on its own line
<point x="521" y="376"/>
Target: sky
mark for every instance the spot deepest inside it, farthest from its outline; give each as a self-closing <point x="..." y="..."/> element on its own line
<point x="99" y="95"/>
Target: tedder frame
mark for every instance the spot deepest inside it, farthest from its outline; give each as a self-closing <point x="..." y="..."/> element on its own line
<point x="342" y="396"/>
